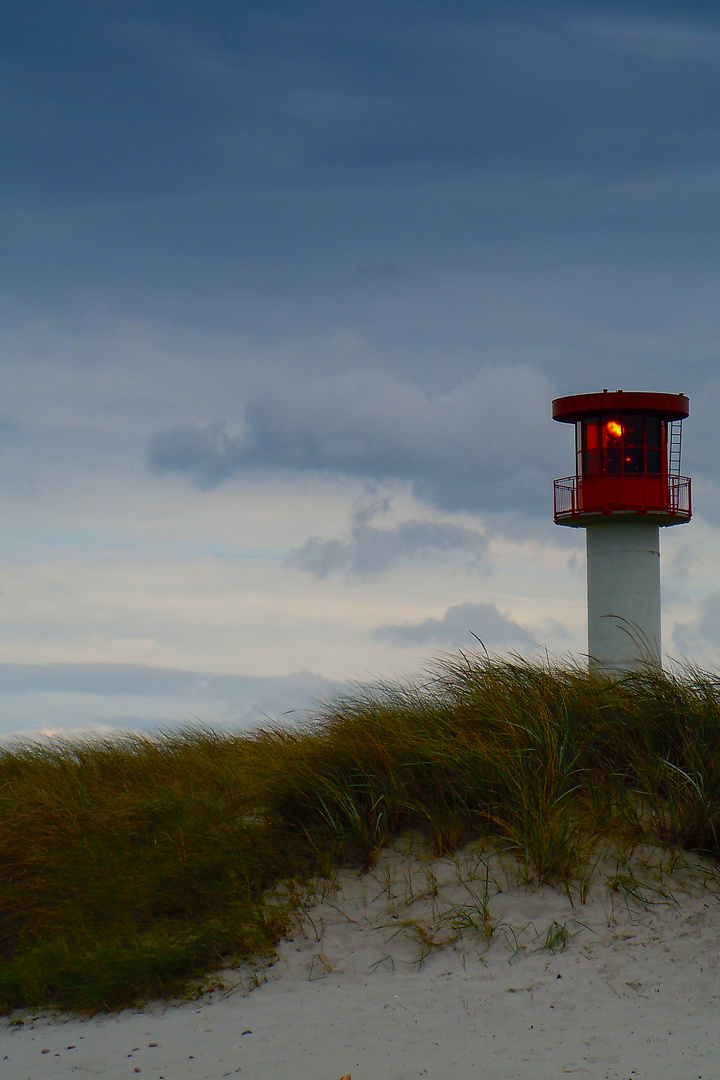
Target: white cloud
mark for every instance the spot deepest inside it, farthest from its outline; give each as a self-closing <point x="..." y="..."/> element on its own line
<point x="702" y="634"/>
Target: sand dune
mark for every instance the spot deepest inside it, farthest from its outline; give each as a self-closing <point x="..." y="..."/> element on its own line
<point x="444" y="968"/>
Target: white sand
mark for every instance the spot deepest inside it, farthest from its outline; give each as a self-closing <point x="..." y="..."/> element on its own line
<point x="632" y="996"/>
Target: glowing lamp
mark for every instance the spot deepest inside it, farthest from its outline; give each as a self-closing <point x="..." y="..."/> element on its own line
<point x="626" y="485"/>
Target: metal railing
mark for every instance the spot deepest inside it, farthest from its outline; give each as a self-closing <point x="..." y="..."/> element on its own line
<point x="607" y="495"/>
<point x="566" y="501"/>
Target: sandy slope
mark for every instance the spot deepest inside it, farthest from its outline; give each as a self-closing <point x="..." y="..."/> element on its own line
<point x="540" y="987"/>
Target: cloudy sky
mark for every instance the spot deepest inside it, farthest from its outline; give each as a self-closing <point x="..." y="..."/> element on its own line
<point x="287" y="290"/>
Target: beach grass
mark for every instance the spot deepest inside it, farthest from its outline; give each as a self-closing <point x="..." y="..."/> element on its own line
<point x="134" y="868"/>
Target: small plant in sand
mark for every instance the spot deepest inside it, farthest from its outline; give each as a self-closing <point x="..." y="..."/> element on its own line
<point x="557" y="937"/>
<point x="134" y="868"/>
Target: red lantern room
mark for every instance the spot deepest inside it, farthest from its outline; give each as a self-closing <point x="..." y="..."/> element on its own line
<point x="627" y="453"/>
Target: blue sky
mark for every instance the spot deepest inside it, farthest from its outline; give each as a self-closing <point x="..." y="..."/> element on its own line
<point x="286" y="291"/>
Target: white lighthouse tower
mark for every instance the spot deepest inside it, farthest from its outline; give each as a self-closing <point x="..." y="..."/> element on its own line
<point x="627" y="484"/>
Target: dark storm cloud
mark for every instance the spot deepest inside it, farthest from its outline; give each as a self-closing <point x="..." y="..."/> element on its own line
<point x="214" y="148"/>
<point x="459" y="624"/>
<point x="151" y="98"/>
<point x="371" y="550"/>
<point x="484" y="443"/>
<point x="409" y="189"/>
<point x="209" y="454"/>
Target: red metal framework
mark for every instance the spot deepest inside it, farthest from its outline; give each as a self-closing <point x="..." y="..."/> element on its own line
<point x="627" y="457"/>
<point x="577" y="498"/>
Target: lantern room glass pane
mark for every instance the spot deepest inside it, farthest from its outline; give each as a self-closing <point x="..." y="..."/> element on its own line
<point x="612" y="445"/>
<point x="589" y="464"/>
<point x="656" y="440"/>
<point x="633" y="461"/>
<point x="611" y="431"/>
<point x="654" y="461"/>
<point x="632" y="425"/>
<point x="653" y="426"/>
<point x="590" y="433"/>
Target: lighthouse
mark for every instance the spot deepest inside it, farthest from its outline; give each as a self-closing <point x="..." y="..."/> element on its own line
<point x="626" y="485"/>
